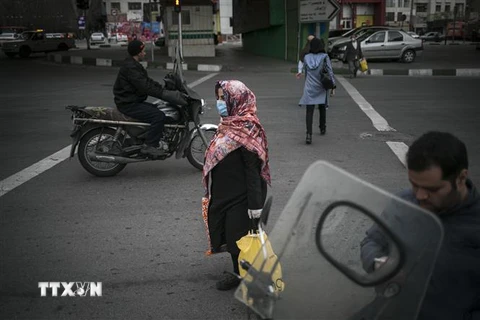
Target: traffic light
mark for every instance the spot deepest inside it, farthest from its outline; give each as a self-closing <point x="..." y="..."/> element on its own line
<point x="177" y="6"/>
<point x="82" y="4"/>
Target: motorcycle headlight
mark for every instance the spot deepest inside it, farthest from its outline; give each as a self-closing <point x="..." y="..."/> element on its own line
<point x="203" y="102"/>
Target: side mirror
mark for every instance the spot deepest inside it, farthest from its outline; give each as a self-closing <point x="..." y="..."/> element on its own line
<point x="340" y="235"/>
<point x="367" y="41"/>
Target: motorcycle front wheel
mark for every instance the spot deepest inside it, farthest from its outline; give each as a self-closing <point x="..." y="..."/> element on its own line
<point x="99" y="141"/>
<point x="196" y="149"/>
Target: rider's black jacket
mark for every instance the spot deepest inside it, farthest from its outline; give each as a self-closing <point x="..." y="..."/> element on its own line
<point x="133" y="84"/>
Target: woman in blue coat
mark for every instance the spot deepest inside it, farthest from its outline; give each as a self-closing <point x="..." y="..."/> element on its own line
<point x="314" y="93"/>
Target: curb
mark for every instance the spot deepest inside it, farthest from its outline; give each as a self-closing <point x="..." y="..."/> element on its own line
<point x="460" y="72"/>
<point x="101" y="62"/>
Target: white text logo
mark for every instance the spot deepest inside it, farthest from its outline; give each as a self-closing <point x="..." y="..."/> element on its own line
<point x="71" y="289"/>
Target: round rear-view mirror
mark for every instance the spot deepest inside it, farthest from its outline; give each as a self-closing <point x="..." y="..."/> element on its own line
<point x="341" y="237"/>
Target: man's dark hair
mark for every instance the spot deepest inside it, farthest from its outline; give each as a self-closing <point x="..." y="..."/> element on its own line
<point x="440" y="149"/>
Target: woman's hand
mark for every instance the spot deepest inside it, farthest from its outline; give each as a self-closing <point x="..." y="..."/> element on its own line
<point x="299" y="75"/>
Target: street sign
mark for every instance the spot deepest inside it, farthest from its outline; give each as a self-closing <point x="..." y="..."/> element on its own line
<point x="317" y="10"/>
<point x="81" y="23"/>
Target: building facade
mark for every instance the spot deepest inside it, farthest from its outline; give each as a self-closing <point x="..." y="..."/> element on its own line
<point x="423" y="12"/>
<point x="357" y="13"/>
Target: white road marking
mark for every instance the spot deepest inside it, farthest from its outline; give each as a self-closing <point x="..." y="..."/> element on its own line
<point x="34" y="170"/>
<point x="399" y="148"/>
<point x="41" y="166"/>
<point x="377" y="120"/>
<point x="203" y="79"/>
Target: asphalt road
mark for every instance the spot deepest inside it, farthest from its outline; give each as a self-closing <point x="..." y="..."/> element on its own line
<point x="141" y="233"/>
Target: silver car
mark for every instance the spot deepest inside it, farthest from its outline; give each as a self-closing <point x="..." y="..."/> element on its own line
<point x="392" y="44"/>
<point x="97" y="38"/>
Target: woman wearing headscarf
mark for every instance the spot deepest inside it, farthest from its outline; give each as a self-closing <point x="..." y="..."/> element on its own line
<point x="235" y="174"/>
<point x="313" y="92"/>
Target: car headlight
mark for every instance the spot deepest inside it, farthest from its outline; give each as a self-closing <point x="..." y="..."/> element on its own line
<point x="203" y="102"/>
<point x="343" y="48"/>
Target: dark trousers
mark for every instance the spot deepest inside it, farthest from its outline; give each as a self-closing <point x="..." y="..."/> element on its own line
<point x="147" y="112"/>
<point x="309" y="118"/>
<point x="353" y="66"/>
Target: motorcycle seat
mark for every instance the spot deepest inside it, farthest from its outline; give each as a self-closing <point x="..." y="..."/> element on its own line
<point x="108" y="113"/>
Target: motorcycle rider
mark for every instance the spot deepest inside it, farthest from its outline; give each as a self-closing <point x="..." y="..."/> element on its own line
<point x="132" y="87"/>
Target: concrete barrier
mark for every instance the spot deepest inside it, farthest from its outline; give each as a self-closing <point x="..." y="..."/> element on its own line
<point x="209" y="67"/>
<point x="57" y="58"/>
<point x="468" y="72"/>
<point x="170" y="66"/>
<point x="76" y="60"/>
<point x="104" y="62"/>
<point x="376" y="72"/>
<point x="420" y="72"/>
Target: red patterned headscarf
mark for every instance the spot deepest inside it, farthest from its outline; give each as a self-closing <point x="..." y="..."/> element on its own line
<point x="241" y="128"/>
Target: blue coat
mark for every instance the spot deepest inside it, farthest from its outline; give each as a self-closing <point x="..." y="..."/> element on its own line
<point x="313" y="92"/>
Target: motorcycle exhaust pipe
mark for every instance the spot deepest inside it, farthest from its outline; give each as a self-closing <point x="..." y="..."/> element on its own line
<point x="113" y="159"/>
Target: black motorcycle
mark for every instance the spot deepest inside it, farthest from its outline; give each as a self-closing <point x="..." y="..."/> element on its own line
<point x="108" y="140"/>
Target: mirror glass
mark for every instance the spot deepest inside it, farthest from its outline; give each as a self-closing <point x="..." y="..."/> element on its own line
<point x="343" y="237"/>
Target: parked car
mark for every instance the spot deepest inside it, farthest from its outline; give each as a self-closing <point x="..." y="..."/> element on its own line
<point x="337" y="33"/>
<point x="121" y="37"/>
<point x="433" y="36"/>
<point x="97" y="38"/>
<point x="413" y="35"/>
<point x="389" y="44"/>
<point x="36" y="41"/>
<point x="4" y="37"/>
<point x="346" y="36"/>
<point x="337" y="50"/>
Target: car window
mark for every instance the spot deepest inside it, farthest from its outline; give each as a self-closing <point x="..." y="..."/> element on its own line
<point x="38" y="36"/>
<point x="378" y="37"/>
<point x="394" y="36"/>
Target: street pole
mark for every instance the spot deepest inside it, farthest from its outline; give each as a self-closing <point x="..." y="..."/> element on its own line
<point x="411" y="16"/>
<point x="151" y="28"/>
<point x="455" y="8"/>
<point x="180" y="39"/>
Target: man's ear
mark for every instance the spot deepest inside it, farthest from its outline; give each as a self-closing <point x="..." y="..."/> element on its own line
<point x="462" y="177"/>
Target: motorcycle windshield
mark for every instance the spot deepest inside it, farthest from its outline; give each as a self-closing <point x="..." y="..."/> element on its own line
<point x="329" y="268"/>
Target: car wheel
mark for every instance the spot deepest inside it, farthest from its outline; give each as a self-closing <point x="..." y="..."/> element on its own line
<point x="25" y="52"/>
<point x="62" y="47"/>
<point x="408" y="56"/>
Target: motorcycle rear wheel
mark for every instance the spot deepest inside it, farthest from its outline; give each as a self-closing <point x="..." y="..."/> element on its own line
<point x="99" y="139"/>
<point x="196" y="149"/>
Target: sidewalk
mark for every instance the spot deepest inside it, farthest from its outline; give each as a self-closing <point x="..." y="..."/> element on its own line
<point x="451" y="60"/>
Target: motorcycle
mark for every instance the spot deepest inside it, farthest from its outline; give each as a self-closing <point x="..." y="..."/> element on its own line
<point x="318" y="239"/>
<point x="108" y="140"/>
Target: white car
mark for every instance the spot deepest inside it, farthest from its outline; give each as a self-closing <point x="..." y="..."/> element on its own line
<point x="97" y="38"/>
<point x="121" y="37"/>
<point x="413" y="35"/>
<point x="8" y="37"/>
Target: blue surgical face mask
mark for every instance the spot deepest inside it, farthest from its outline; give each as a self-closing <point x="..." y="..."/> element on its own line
<point x="222" y="108"/>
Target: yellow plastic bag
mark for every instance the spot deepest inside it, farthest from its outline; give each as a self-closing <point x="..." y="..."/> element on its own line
<point x="363" y="65"/>
<point x="250" y="246"/>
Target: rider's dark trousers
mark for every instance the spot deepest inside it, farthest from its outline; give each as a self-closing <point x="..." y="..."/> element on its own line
<point x="147" y="112"/>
